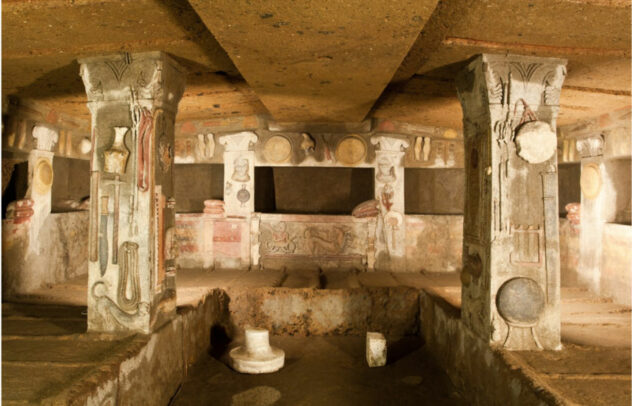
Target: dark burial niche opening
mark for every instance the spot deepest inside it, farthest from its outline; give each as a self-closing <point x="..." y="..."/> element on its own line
<point x="311" y="190"/>
<point x="71" y="184"/>
<point x="16" y="189"/>
<point x="434" y="190"/>
<point x="568" y="185"/>
<point x="195" y="183"/>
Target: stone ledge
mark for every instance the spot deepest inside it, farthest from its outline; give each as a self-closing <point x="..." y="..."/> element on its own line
<point x="152" y="365"/>
<point x="488" y="375"/>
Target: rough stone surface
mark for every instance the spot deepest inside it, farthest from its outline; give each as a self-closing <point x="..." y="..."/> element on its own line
<point x="303" y="312"/>
<point x="326" y="370"/>
<point x="63" y="253"/>
<point x="616" y="263"/>
<point x="48" y="358"/>
<point x="594" y="372"/>
<point x="283" y="36"/>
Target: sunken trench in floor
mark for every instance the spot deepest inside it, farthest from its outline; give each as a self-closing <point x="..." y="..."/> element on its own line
<point x="320" y="320"/>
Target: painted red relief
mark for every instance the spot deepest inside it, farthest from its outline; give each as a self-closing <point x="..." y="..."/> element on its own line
<point x="187" y="236"/>
<point x="227" y="239"/>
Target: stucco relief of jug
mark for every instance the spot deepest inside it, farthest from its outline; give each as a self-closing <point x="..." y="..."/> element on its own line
<point x="116" y="157"/>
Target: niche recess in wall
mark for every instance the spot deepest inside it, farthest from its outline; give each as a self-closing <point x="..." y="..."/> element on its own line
<point x="71" y="184"/>
<point x="195" y="183"/>
<point x="311" y="190"/>
<point x="568" y="185"/>
<point x="434" y="190"/>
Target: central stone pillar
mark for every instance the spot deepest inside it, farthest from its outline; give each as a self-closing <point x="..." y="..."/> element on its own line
<point x="133" y="99"/>
<point x="510" y="276"/>
<point x="390" y="242"/>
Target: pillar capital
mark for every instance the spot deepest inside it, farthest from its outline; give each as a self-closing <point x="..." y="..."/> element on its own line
<point x="146" y="77"/>
<point x="389" y="143"/>
<point x="46" y="137"/>
<point x="514" y="82"/>
<point x="242" y="141"/>
<point x="590" y="146"/>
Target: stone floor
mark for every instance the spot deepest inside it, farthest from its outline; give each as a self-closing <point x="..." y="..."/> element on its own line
<point x="45" y="350"/>
<point x="325" y="371"/>
<point x="593" y="368"/>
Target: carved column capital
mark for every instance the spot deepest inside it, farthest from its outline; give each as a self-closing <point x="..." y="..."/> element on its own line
<point x="241" y="141"/>
<point x="387" y="143"/>
<point x="490" y="81"/>
<point x="46" y="137"/>
<point x="147" y="76"/>
<point x="590" y="146"/>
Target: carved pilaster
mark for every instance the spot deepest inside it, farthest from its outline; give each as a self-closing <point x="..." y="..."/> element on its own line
<point x="133" y="99"/>
<point x="390" y="241"/>
<point x="593" y="202"/>
<point x="40" y="181"/>
<point x="510" y="271"/>
<point x="239" y="173"/>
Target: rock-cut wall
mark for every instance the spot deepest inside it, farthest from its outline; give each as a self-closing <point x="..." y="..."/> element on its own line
<point x="62" y="253"/>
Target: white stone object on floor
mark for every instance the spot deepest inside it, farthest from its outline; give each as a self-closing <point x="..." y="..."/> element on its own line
<point x="375" y="349"/>
<point x="257" y="356"/>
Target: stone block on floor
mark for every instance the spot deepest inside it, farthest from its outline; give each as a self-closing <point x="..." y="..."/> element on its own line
<point x="375" y="349"/>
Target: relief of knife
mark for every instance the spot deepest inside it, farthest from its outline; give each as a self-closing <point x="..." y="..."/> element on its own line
<point x="103" y="235"/>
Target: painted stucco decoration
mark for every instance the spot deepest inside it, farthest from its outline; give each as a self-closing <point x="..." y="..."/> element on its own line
<point x="277" y="239"/>
<point x="277" y="149"/>
<point x="239" y="158"/>
<point x="385" y="171"/>
<point x="115" y="158"/>
<point x="370" y="208"/>
<point x="240" y="170"/>
<point x="43" y="176"/>
<point x="308" y="144"/>
<point x="520" y="302"/>
<point x="351" y="150"/>
<point x="205" y="146"/>
<point x="390" y="229"/>
<point x="536" y="142"/>
<point x="243" y="195"/>
<point x="297" y="239"/>
<point x="20" y="211"/>
<point x="590" y="180"/>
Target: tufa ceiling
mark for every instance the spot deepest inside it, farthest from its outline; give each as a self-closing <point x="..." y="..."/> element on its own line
<point x="326" y="61"/>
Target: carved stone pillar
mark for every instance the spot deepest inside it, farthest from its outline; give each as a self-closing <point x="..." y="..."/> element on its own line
<point x="133" y="99"/>
<point x="390" y="242"/>
<point x="593" y="201"/>
<point x="511" y="280"/>
<point x="239" y="173"/>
